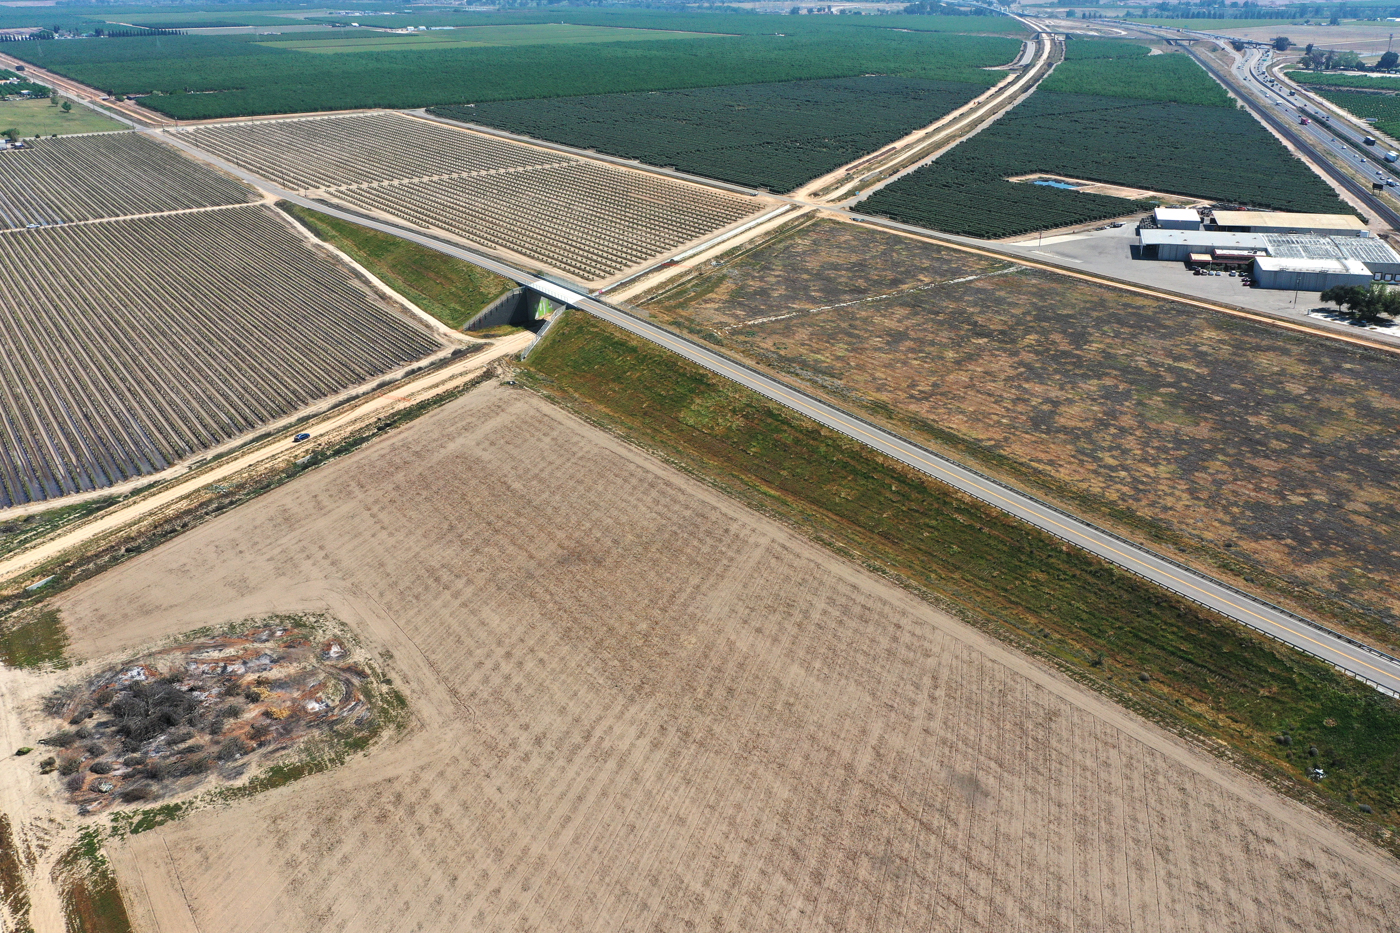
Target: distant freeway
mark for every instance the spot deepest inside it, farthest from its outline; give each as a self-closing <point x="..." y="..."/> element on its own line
<point x="1304" y="138"/>
<point x="1359" y="660"/>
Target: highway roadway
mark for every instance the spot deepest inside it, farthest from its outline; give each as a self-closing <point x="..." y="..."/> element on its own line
<point x="1329" y="132"/>
<point x="1309" y="139"/>
<point x="1376" y="668"/>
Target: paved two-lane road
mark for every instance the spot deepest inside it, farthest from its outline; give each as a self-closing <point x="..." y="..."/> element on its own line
<point x="1381" y="670"/>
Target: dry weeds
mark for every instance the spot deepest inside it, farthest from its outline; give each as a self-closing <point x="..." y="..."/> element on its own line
<point x="1239" y="438"/>
<point x="639" y="706"/>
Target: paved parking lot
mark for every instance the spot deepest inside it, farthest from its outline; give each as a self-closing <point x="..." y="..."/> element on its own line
<point x="1111" y="252"/>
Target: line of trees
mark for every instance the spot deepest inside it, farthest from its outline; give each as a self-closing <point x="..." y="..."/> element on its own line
<point x="43" y="34"/>
<point x="1367" y="304"/>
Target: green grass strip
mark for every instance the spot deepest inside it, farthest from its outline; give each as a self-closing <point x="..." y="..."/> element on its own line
<point x="449" y="289"/>
<point x="1186" y="668"/>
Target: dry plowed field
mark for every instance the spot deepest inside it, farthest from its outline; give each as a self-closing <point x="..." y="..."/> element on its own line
<point x="1279" y="449"/>
<point x="639" y="706"/>
<point x="587" y="219"/>
<point x="128" y="346"/>
<point x="54" y="181"/>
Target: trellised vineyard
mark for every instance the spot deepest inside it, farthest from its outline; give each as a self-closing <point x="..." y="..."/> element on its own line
<point x="72" y="178"/>
<point x="578" y="216"/>
<point x="126" y="347"/>
<point x="586" y="219"/>
<point x="327" y="152"/>
<point x="774" y="136"/>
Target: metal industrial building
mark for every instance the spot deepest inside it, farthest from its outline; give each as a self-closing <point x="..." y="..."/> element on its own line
<point x="1316" y="252"/>
<point x="1282" y="222"/>
<point x="1177" y="218"/>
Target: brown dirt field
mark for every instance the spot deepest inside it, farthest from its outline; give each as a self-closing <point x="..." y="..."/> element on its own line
<point x="640" y="706"/>
<point x="1366" y="38"/>
<point x="1233" y="436"/>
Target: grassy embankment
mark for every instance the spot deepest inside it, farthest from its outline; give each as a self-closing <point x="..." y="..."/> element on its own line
<point x="92" y="902"/>
<point x="17" y="533"/>
<point x="1162" y="656"/>
<point x="37" y="640"/>
<point x="449" y="289"/>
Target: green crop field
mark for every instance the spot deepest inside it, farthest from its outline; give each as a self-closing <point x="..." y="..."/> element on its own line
<point x="774" y="136"/>
<point x="478" y="37"/>
<point x="1113" y="68"/>
<point x="238" y="76"/>
<point x="172" y="19"/>
<point x="656" y="19"/>
<point x="1379" y="82"/>
<point x="1383" y="108"/>
<point x="1188" y="149"/>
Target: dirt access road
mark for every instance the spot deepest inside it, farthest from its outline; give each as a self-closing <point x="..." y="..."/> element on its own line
<point x="409" y="392"/>
<point x="89" y="96"/>
<point x="640" y="706"/>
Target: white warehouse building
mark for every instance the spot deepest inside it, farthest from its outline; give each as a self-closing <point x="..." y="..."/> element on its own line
<point x="1333" y="252"/>
<point x="1177" y="218"/>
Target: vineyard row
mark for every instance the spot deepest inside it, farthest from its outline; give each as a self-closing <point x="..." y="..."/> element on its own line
<point x="584" y="218"/>
<point x="324" y="152"/>
<point x="54" y="181"/>
<point x="588" y="220"/>
<point x="126" y="347"/>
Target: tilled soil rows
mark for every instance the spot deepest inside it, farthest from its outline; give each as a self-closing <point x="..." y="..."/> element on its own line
<point x="637" y="705"/>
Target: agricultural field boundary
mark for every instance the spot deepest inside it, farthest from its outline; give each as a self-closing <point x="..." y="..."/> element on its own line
<point x="124" y="111"/>
<point x="947" y="132"/>
<point x="898" y="169"/>
<point x="426" y="386"/>
<point x="594" y="155"/>
<point x="792" y="397"/>
<point x="118" y="218"/>
<point x="139" y="484"/>
<point x="1194" y="585"/>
